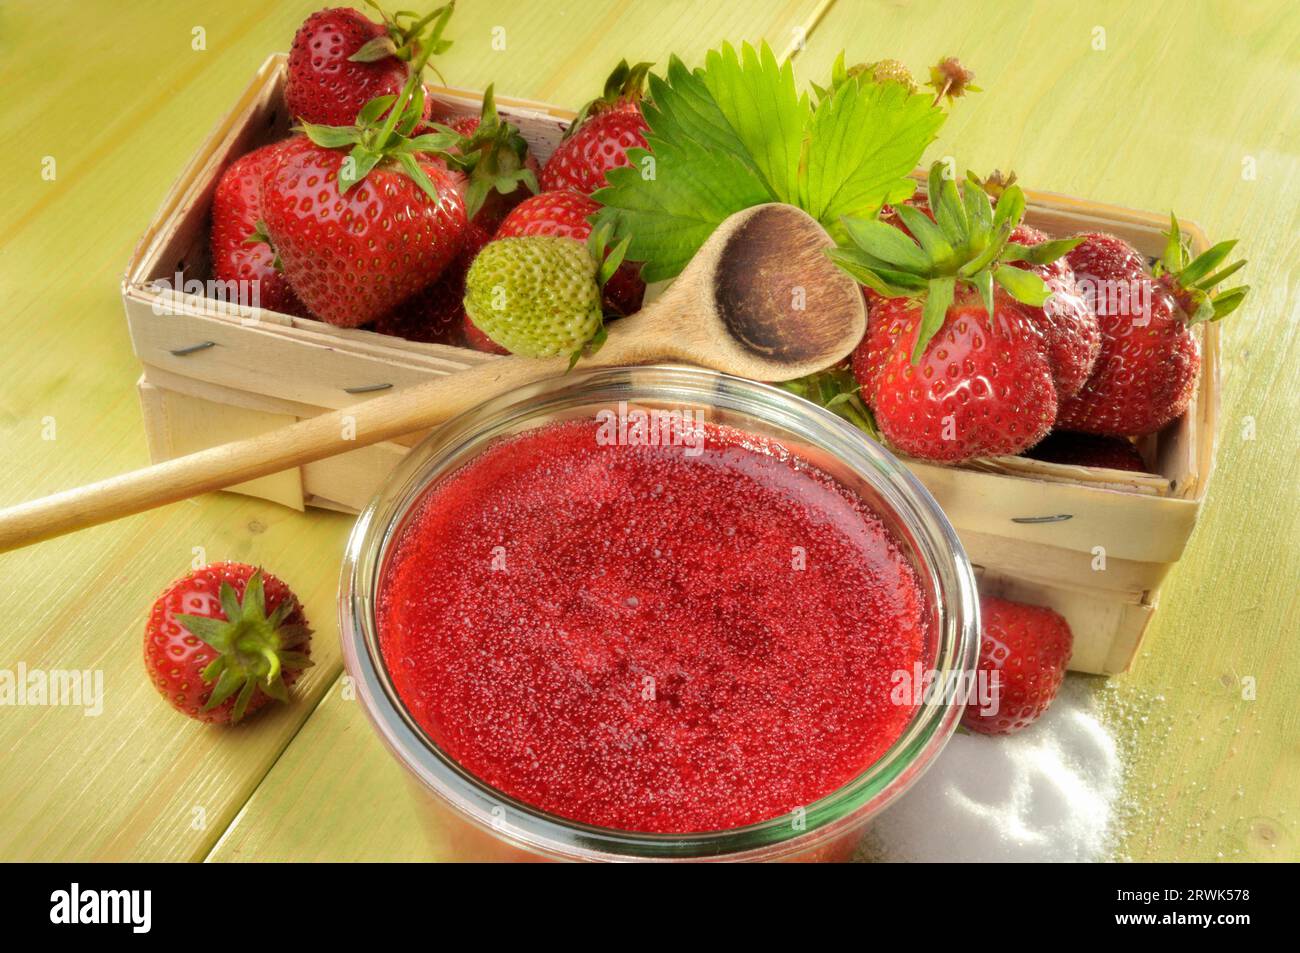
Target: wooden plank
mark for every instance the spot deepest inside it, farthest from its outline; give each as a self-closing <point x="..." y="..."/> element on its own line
<point x="299" y="816"/>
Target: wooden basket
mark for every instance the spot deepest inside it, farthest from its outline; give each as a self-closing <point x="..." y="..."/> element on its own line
<point x="1095" y="544"/>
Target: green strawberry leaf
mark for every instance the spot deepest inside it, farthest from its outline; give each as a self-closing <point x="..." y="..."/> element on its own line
<point x="928" y="234"/>
<point x="1226" y="302"/>
<point x="1205" y="263"/>
<point x="887" y="244"/>
<point x="949" y="212"/>
<point x="757" y="98"/>
<point x="863" y="144"/>
<point x="331" y="137"/>
<point x="669" y="217"/>
<point x="356" y="167"/>
<point x="875" y="275"/>
<point x="1175" y="256"/>
<point x="1205" y="284"/>
<point x="412" y="168"/>
<point x="979" y="212"/>
<point x="227" y="684"/>
<point x="373" y="109"/>
<point x="215" y="632"/>
<point x="736" y="133"/>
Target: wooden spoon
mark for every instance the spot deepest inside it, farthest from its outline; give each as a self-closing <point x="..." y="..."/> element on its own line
<point x="760" y="300"/>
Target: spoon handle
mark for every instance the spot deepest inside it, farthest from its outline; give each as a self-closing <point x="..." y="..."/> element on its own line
<point x="380" y="418"/>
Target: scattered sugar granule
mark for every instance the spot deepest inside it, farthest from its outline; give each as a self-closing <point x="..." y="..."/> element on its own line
<point x="1047" y="793"/>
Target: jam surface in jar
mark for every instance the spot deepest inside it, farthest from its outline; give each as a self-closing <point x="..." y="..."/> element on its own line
<point x="657" y="638"/>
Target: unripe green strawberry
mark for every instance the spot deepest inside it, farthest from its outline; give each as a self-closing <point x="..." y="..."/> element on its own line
<point x="537" y="296"/>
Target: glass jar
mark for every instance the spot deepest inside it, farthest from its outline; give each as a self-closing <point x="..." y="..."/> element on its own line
<point x="476" y="822"/>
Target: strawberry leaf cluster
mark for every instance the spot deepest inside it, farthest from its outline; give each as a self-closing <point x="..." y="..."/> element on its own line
<point x="967" y="242"/>
<point x="1194" y="279"/>
<point x="494" y="157"/>
<point x="737" y="133"/>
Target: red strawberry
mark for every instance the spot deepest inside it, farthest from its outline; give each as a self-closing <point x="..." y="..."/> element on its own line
<point x="223" y="641"/>
<point x="884" y="326"/>
<point x="437" y="314"/>
<point x="340" y="60"/>
<point x="1088" y="450"/>
<point x="1149" y="362"/>
<point x="567" y="214"/>
<point x="1104" y="256"/>
<point x="563" y="214"/>
<point x="236" y="209"/>
<point x="1067" y="321"/>
<point x="952" y="363"/>
<point x="1028" y="648"/>
<point x="353" y="256"/>
<point x="982" y="385"/>
<point x="599" y="138"/>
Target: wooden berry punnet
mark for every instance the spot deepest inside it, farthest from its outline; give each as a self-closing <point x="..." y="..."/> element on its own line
<point x="1094" y="544"/>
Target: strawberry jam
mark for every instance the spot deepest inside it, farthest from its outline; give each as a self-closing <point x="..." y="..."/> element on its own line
<point x="651" y="638"/>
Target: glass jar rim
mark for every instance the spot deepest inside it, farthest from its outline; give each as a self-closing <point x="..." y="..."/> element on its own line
<point x="450" y="445"/>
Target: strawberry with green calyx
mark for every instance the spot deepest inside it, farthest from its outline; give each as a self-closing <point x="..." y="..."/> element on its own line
<point x="1150" y="359"/>
<point x="383" y="131"/>
<point x="955" y="367"/>
<point x="1067" y="320"/>
<point x="340" y="60"/>
<point x="624" y="90"/>
<point x="361" y="217"/>
<point x="600" y="138"/>
<point x="224" y="641"/>
<point x="540" y="296"/>
<point x="967" y="242"/>
<point x="494" y="158"/>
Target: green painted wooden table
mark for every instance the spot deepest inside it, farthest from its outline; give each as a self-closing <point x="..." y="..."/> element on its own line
<point x="1163" y="105"/>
